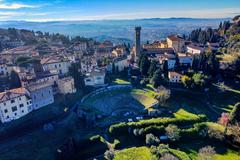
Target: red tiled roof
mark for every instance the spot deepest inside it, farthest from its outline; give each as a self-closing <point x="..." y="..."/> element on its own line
<point x="175" y="38"/>
<point x="172" y="74"/>
<point x="7" y="95"/>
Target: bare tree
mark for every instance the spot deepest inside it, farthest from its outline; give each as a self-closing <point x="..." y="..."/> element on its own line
<point x="162" y="94"/>
<point x="168" y="156"/>
<point x="206" y="153"/>
<point x="173" y="132"/>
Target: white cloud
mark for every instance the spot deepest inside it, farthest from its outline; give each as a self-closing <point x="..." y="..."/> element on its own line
<point x="4" y="5"/>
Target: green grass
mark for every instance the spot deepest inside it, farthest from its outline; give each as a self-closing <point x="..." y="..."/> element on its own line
<point x="215" y="126"/>
<point x="147" y="92"/>
<point x="180" y="154"/>
<point x="140" y="153"/>
<point x="121" y="81"/>
<point x="181" y="113"/>
<point x="144" y="97"/>
<point x="229" y="155"/>
<point x="143" y="153"/>
<point x="228" y="88"/>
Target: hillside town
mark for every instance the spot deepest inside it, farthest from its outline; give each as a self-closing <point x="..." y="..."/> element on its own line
<point x="37" y="68"/>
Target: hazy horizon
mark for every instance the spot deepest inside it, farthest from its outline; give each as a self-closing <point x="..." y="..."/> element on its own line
<point x="75" y="10"/>
<point x="124" y="19"/>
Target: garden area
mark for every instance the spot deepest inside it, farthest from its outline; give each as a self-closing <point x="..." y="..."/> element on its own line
<point x="190" y="137"/>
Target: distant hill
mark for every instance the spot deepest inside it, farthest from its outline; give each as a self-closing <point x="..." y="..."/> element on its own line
<point x="119" y="30"/>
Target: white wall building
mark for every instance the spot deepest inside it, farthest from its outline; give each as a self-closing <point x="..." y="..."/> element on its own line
<point x="121" y="63"/>
<point x="195" y="49"/>
<point x="5" y="70"/>
<point x="185" y="59"/>
<point x="14" y="104"/>
<point x="41" y="95"/>
<point x="56" y="65"/>
<point x="95" y="78"/>
<point x="174" y="77"/>
<point x="170" y="58"/>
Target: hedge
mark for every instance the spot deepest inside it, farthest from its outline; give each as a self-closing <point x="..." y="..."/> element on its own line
<point x="179" y="154"/>
<point x="181" y="121"/>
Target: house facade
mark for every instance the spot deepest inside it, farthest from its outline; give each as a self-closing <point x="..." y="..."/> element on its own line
<point x="66" y="85"/>
<point x="95" y="78"/>
<point x="176" y="42"/>
<point x="5" y="69"/>
<point x="14" y="104"/>
<point x="170" y="58"/>
<point x="193" y="49"/>
<point x="41" y="95"/>
<point x="175" y="77"/>
<point x="185" y="59"/>
<point x="57" y="65"/>
<point x="121" y="63"/>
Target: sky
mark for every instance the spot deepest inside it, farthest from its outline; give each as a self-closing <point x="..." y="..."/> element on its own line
<point x="70" y="10"/>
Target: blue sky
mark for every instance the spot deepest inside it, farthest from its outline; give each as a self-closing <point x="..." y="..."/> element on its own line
<point x="53" y="10"/>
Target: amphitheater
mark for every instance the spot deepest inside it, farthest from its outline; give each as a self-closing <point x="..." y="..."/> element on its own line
<point x="117" y="100"/>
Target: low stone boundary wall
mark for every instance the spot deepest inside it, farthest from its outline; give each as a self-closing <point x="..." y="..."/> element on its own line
<point x="106" y="89"/>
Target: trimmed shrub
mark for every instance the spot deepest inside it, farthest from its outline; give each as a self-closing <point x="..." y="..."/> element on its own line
<point x="122" y="128"/>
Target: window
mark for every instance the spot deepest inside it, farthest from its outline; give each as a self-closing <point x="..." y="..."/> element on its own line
<point x="20" y="98"/>
<point x="7" y="117"/>
<point x="4" y="104"/>
<point x="15" y="114"/>
<point x="12" y="101"/>
<point x="5" y="110"/>
<point x="21" y="105"/>
<point x="14" y="108"/>
<point x="22" y="111"/>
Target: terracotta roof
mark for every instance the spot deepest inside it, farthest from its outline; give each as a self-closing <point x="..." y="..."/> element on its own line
<point x="175" y="38"/>
<point x="158" y="51"/>
<point x="52" y="59"/>
<point x="195" y="47"/>
<point x="8" y="95"/>
<point x="38" y="86"/>
<point x="184" y="55"/>
<point x="172" y="74"/>
<point x="96" y="73"/>
<point x="66" y="79"/>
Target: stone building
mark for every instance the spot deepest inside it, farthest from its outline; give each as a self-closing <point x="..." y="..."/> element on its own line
<point x="66" y="85"/>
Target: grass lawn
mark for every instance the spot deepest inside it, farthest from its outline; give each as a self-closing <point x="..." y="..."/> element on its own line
<point x="145" y="97"/>
<point x="181" y="113"/>
<point x="222" y="151"/>
<point x="140" y="153"/>
<point x="229" y="155"/>
<point x="143" y="153"/>
<point x="120" y="81"/>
